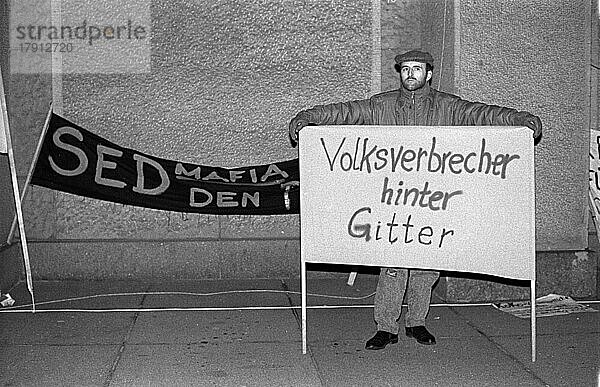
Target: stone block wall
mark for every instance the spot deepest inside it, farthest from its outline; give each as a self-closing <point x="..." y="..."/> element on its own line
<point x="226" y="77"/>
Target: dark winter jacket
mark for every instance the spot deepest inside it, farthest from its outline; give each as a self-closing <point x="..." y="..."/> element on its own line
<point x="423" y="107"/>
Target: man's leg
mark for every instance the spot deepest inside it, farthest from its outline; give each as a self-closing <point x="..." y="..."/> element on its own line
<point x="388" y="306"/>
<point x="420" y="283"/>
<point x="388" y="299"/>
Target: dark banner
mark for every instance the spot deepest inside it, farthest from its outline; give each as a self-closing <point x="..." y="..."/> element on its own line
<point x="77" y="161"/>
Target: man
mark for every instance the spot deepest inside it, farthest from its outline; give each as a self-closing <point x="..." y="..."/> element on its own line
<point x="416" y="103"/>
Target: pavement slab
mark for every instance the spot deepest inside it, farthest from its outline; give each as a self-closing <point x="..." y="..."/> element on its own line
<point x="453" y="362"/>
<point x="494" y="322"/>
<point x="247" y="333"/>
<point x="64" y="328"/>
<point x="562" y="360"/>
<point x="216" y="327"/>
<point x="56" y="365"/>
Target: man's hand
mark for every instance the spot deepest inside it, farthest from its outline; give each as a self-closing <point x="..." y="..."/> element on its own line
<point x="296" y="124"/>
<point x="532" y="122"/>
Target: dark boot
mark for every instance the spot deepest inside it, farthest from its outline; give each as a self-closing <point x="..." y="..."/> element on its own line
<point x="381" y="339"/>
<point x="421" y="334"/>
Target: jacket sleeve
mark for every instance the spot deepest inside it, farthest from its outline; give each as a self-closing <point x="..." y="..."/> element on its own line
<point x="344" y="113"/>
<point x="475" y="113"/>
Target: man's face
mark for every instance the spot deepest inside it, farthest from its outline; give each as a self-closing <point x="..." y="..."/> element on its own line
<point x="414" y="75"/>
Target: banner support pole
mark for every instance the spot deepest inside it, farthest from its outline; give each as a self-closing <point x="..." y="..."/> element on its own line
<point x="533" y="273"/>
<point x="38" y="149"/>
<point x="533" y="323"/>
<point x="15" y="184"/>
<point x="303" y="274"/>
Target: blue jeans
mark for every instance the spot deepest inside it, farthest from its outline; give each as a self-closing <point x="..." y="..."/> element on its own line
<point x="390" y="294"/>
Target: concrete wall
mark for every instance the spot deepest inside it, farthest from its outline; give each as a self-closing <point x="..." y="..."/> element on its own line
<point x="595" y="69"/>
<point x="28" y="98"/>
<point x="594" y="245"/>
<point x="511" y="54"/>
<point x="10" y="270"/>
<point x="523" y="49"/>
<point x="225" y="79"/>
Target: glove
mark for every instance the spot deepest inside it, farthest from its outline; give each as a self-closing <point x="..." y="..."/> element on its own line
<point x="296" y="124"/>
<point x="532" y="122"/>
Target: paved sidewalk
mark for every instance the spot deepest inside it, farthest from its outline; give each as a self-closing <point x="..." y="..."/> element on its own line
<point x="261" y="346"/>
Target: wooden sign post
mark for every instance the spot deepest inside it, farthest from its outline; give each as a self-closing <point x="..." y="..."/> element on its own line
<point x="6" y="139"/>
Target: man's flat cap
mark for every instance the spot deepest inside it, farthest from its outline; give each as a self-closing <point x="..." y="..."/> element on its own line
<point x="415" y="56"/>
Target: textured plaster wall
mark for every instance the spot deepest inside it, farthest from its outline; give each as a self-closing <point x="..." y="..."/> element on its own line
<point x="595" y="69"/>
<point x="534" y="55"/>
<point x="10" y="268"/>
<point x="425" y="24"/>
<point x="400" y="31"/>
<point x="438" y="34"/>
<point x="226" y="77"/>
<point x="28" y="98"/>
<point x="509" y="53"/>
<point x="5" y="187"/>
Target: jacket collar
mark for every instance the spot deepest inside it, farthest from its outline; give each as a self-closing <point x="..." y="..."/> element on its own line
<point x="419" y="94"/>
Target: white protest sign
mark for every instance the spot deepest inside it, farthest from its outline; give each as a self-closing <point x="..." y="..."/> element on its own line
<point x="444" y="198"/>
<point x="3" y="130"/>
